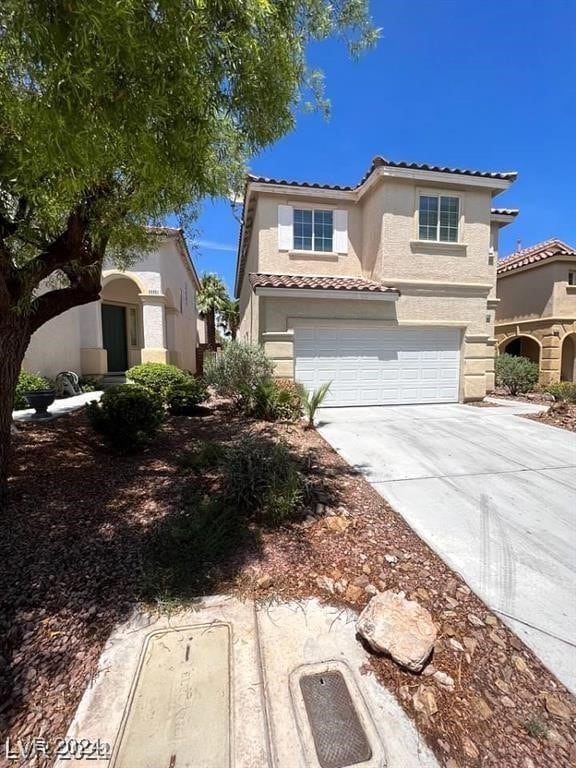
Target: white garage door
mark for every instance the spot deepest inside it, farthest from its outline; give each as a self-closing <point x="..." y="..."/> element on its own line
<point x="380" y="366"/>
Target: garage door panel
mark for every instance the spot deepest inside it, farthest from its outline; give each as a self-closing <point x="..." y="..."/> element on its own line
<point x="380" y="366"/>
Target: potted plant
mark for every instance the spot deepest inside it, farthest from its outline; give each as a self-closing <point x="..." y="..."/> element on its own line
<point x="38" y="395"/>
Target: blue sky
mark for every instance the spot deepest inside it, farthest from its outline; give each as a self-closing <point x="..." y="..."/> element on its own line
<point x="488" y="85"/>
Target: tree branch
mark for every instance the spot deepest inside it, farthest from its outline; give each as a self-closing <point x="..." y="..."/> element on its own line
<point x="54" y="303"/>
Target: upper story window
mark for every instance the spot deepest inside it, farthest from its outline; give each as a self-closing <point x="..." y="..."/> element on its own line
<point x="313" y="230"/>
<point x="438" y="218"/>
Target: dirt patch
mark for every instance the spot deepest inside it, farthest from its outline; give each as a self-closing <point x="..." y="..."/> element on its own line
<point x="71" y="567"/>
<point x="561" y="415"/>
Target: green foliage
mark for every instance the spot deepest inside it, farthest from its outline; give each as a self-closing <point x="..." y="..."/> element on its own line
<point x="536" y="728"/>
<point x="311" y="401"/>
<point x="562" y="391"/>
<point x="128" y="417"/>
<point x="150" y="105"/>
<point x="238" y="370"/>
<point x="185" y="545"/>
<point x="158" y="377"/>
<point x="276" y="400"/>
<point x="184" y="399"/>
<point x="28" y="382"/>
<point x="516" y="374"/>
<point x="212" y="295"/>
<point x="261" y="480"/>
<point x="229" y="314"/>
<point x="88" y="384"/>
<point x="206" y="455"/>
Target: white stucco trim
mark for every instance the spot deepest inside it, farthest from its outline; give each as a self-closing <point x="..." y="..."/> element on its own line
<point x="327" y="293"/>
<point x="440" y="287"/>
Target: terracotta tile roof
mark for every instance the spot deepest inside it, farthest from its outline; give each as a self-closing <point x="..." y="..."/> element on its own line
<point x="318" y="283"/>
<point x="382" y="162"/>
<point x="504" y="211"/>
<point x="535" y="254"/>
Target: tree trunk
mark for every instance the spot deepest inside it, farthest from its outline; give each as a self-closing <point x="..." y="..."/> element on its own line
<point x="14" y="339"/>
<point x="211" y="329"/>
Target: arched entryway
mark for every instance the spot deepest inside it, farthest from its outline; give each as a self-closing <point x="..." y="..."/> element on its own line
<point x="568" y="361"/>
<point x="522" y="346"/>
<point x="121" y="322"/>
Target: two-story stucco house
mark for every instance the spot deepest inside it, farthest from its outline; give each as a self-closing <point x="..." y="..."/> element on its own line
<point x="536" y="315"/>
<point x="146" y="313"/>
<point x="386" y="288"/>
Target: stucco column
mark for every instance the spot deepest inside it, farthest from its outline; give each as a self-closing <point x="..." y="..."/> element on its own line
<point x="154" y="327"/>
<point x="93" y="356"/>
<point x="550" y="356"/>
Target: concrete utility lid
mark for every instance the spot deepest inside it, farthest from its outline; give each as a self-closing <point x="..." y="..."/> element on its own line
<point x="231" y="685"/>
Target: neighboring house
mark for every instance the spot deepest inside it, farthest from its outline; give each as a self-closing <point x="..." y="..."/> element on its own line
<point x="536" y="315"/>
<point x="147" y="313"/>
<point x="387" y="288"/>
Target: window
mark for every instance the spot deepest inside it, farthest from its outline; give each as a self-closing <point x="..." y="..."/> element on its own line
<point x="313" y="230"/>
<point x="132" y="327"/>
<point x="438" y="218"/>
<point x="571" y="278"/>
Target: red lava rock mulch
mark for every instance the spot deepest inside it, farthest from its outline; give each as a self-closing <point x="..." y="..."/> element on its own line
<point x="71" y="567"/>
<point x="561" y="415"/>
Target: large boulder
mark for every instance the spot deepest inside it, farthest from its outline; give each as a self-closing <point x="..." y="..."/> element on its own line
<point x="402" y="628"/>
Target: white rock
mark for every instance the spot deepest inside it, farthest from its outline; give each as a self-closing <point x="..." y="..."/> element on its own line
<point x="402" y="628"/>
<point x="391" y="558"/>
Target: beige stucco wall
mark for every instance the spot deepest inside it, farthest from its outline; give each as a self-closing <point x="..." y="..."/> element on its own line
<point x="439" y="283"/>
<point x="280" y="316"/>
<point x="540" y="291"/>
<point x="73" y="340"/>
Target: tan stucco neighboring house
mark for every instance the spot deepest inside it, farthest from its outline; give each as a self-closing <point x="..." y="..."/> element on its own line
<point x="147" y="313"/>
<point x="536" y="315"/>
<point x="386" y="288"/>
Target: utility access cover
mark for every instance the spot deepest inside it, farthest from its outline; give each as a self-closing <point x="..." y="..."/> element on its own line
<point x="339" y="737"/>
<point x="178" y="714"/>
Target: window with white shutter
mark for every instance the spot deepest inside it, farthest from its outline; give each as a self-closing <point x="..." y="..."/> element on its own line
<point x="341" y="231"/>
<point x="285" y="227"/>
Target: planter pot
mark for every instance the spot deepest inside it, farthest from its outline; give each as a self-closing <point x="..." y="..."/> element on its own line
<point x="40" y="400"/>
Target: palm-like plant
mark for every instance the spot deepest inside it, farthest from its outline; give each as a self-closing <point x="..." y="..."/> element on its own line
<point x="230" y="317"/>
<point x="210" y="300"/>
<point x="311" y="401"/>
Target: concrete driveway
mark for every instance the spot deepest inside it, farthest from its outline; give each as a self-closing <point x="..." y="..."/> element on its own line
<point x="493" y="494"/>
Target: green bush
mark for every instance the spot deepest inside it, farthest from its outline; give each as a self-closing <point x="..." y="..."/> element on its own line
<point x="184" y="547"/>
<point x="237" y="370"/>
<point x="158" y="377"/>
<point x="206" y="455"/>
<point x="563" y="391"/>
<point x="516" y="374"/>
<point x="183" y="399"/>
<point x="128" y="417"/>
<point x="276" y="400"/>
<point x="261" y="480"/>
<point x="28" y="382"/>
<point x="88" y="383"/>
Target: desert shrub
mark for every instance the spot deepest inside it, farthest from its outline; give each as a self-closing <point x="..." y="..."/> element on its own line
<point x="275" y="400"/>
<point x="261" y="480"/>
<point x="516" y="374"/>
<point x="185" y="545"/>
<point x="237" y="370"/>
<point x="562" y="391"/>
<point x="128" y="417"/>
<point x="183" y="399"/>
<point x="88" y="383"/>
<point x="206" y="455"/>
<point x="158" y="377"/>
<point x="311" y="401"/>
<point x="28" y="382"/>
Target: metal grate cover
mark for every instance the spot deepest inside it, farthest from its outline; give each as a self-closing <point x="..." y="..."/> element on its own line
<point x="339" y="737"/>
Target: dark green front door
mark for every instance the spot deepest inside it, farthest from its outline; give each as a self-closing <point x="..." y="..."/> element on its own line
<point x="114" y="337"/>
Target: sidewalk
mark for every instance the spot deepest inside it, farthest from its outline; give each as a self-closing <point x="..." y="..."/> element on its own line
<point x="60" y="407"/>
